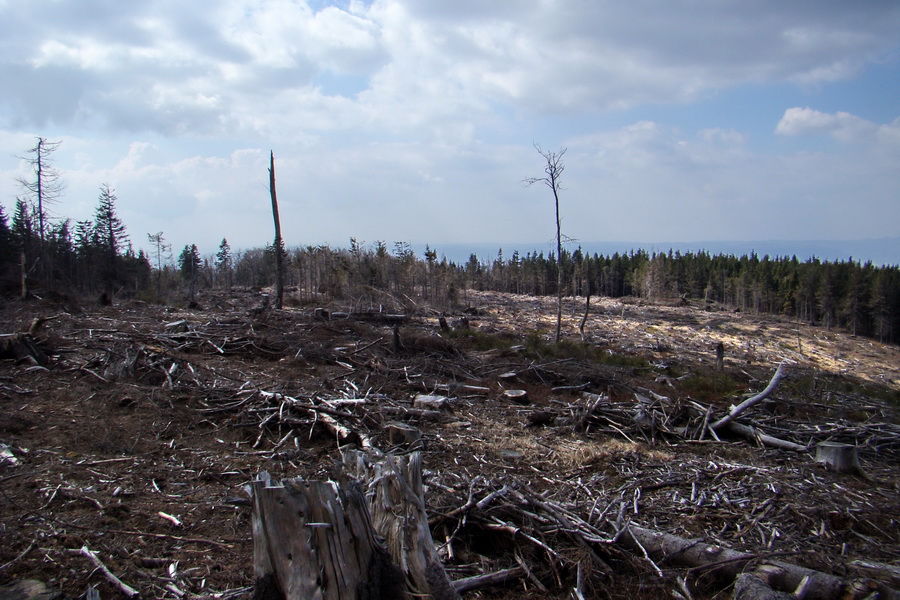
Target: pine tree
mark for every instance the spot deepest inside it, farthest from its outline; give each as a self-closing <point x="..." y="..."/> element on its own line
<point x="110" y="229"/>
<point x="22" y="226"/>
<point x="882" y="317"/>
<point x="855" y="302"/>
<point x="7" y="255"/>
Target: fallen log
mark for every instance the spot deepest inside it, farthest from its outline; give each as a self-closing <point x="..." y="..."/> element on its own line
<point x="726" y="564"/>
<point x="755" y="435"/>
<point x="476" y="582"/>
<point x="750" y="586"/>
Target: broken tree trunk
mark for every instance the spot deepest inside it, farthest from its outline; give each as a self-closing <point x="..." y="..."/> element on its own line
<point x="279" y="243"/>
<point x="315" y="540"/>
<point x="395" y="494"/>
<point x="323" y="540"/>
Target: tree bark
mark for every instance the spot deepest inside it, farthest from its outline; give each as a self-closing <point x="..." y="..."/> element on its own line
<point x="323" y="540"/>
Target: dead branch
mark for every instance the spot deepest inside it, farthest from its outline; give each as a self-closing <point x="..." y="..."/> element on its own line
<point x="123" y="587"/>
<point x="737" y="410"/>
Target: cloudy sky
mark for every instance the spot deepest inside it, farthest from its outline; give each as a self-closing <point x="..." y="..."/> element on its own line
<point x="415" y="120"/>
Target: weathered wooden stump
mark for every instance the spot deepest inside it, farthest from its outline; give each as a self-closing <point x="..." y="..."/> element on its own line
<point x="315" y="540"/>
<point x="517" y="396"/>
<point x="396" y="500"/>
<point x="841" y="458"/>
<point x="343" y="541"/>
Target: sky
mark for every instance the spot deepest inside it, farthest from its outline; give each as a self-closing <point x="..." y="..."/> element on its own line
<point x="418" y="120"/>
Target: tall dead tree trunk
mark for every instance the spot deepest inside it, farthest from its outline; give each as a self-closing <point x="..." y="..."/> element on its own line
<point x="279" y="243"/>
<point x="553" y="171"/>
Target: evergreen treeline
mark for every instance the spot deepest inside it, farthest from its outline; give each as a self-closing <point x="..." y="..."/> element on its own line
<point x="95" y="258"/>
<point x="863" y="298"/>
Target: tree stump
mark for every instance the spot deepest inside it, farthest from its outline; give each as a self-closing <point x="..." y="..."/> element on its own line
<point x="517" y="396"/>
<point x="315" y="540"/>
<point x="840" y="458"/>
<point x="401" y="434"/>
<point x="395" y="497"/>
<point x="22" y="346"/>
<point x="343" y="541"/>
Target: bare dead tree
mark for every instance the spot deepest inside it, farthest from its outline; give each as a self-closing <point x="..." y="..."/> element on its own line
<point x="552" y="172"/>
<point x="45" y="187"/>
<point x="279" y="243"/>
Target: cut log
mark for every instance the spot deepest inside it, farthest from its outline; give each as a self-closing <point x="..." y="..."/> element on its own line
<point x="431" y="402"/>
<point x="315" y="540"/>
<point x="755" y="435"/>
<point x="29" y="589"/>
<point x="877" y="570"/>
<point x="488" y="579"/>
<point x="749" y="586"/>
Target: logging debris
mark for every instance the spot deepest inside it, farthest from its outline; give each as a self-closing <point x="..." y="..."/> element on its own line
<point x="141" y="411"/>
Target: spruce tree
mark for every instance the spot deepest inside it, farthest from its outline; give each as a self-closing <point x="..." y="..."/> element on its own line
<point x="110" y="236"/>
<point x="190" y="263"/>
<point x="223" y="261"/>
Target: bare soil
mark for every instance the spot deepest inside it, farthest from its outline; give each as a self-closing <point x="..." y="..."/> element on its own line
<point x="137" y="438"/>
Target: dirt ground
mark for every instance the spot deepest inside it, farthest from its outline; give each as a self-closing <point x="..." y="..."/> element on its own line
<point x="137" y="437"/>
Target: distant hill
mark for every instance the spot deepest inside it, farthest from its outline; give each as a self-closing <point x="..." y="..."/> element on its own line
<point x="883" y="251"/>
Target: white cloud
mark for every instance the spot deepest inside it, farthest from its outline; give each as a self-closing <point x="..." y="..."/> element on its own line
<point x="413" y="119"/>
<point x="840" y="125"/>
<point x="215" y="69"/>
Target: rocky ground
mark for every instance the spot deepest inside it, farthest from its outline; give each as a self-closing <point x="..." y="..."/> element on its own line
<point x="134" y="440"/>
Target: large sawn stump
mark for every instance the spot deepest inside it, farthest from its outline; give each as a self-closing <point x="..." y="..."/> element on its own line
<point x="326" y="540"/>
